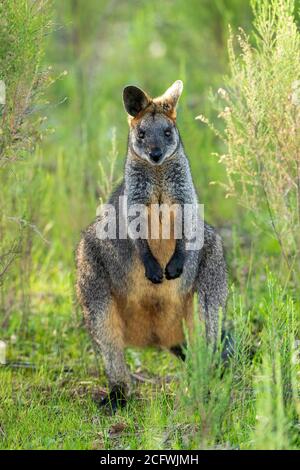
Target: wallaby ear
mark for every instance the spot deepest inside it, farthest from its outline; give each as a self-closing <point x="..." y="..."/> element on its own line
<point x="172" y="95"/>
<point x="135" y="100"/>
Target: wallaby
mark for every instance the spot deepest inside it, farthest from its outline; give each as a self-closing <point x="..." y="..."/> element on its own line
<point x="139" y="291"/>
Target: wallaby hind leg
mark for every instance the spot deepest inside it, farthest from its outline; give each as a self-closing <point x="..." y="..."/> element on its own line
<point x="106" y="330"/>
<point x="212" y="284"/>
<point x="107" y="333"/>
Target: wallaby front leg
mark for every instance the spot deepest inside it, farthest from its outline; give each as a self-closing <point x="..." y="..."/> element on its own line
<point x="153" y="270"/>
<point x="174" y="267"/>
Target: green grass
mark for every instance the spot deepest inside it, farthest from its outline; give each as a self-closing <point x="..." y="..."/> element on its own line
<point x="179" y="406"/>
<point x="54" y="405"/>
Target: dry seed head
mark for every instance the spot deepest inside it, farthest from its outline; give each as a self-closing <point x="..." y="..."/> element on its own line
<point x="202" y="118"/>
<point x="223" y="93"/>
<point x="225" y="113"/>
<point x="222" y="158"/>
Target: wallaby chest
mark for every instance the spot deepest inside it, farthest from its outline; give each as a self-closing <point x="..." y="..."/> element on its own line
<point x="162" y="214"/>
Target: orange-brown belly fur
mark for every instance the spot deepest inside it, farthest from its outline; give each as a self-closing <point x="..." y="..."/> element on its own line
<point x="154" y="314"/>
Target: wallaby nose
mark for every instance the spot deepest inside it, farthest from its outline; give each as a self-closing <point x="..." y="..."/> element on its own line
<point x="155" y="154"/>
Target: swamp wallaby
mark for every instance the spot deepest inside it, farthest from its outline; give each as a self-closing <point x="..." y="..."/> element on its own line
<point x="138" y="291"/>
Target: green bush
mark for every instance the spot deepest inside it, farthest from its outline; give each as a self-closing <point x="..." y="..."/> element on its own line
<point x="24" y="26"/>
<point x="262" y="124"/>
<point x="253" y="403"/>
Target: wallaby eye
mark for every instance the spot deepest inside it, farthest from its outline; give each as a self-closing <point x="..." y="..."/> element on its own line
<point x="141" y="134"/>
<point x="167" y="132"/>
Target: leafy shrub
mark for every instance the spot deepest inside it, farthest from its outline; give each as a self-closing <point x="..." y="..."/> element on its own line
<point x="23" y="28"/>
<point x="262" y="123"/>
<point x="253" y="403"/>
<point x="24" y="25"/>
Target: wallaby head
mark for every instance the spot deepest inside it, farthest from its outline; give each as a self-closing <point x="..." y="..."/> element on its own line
<point x="153" y="135"/>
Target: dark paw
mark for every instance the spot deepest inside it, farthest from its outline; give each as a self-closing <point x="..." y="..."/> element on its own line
<point x="174" y="267"/>
<point x="153" y="271"/>
<point x="114" y="400"/>
<point x="179" y="351"/>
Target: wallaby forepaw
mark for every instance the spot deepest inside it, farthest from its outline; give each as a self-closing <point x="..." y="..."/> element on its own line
<point x="154" y="272"/>
<point x="114" y="400"/>
<point x="174" y="268"/>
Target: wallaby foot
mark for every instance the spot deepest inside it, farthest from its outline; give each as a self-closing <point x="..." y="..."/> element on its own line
<point x="175" y="266"/>
<point x="178" y="350"/>
<point x="115" y="399"/>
